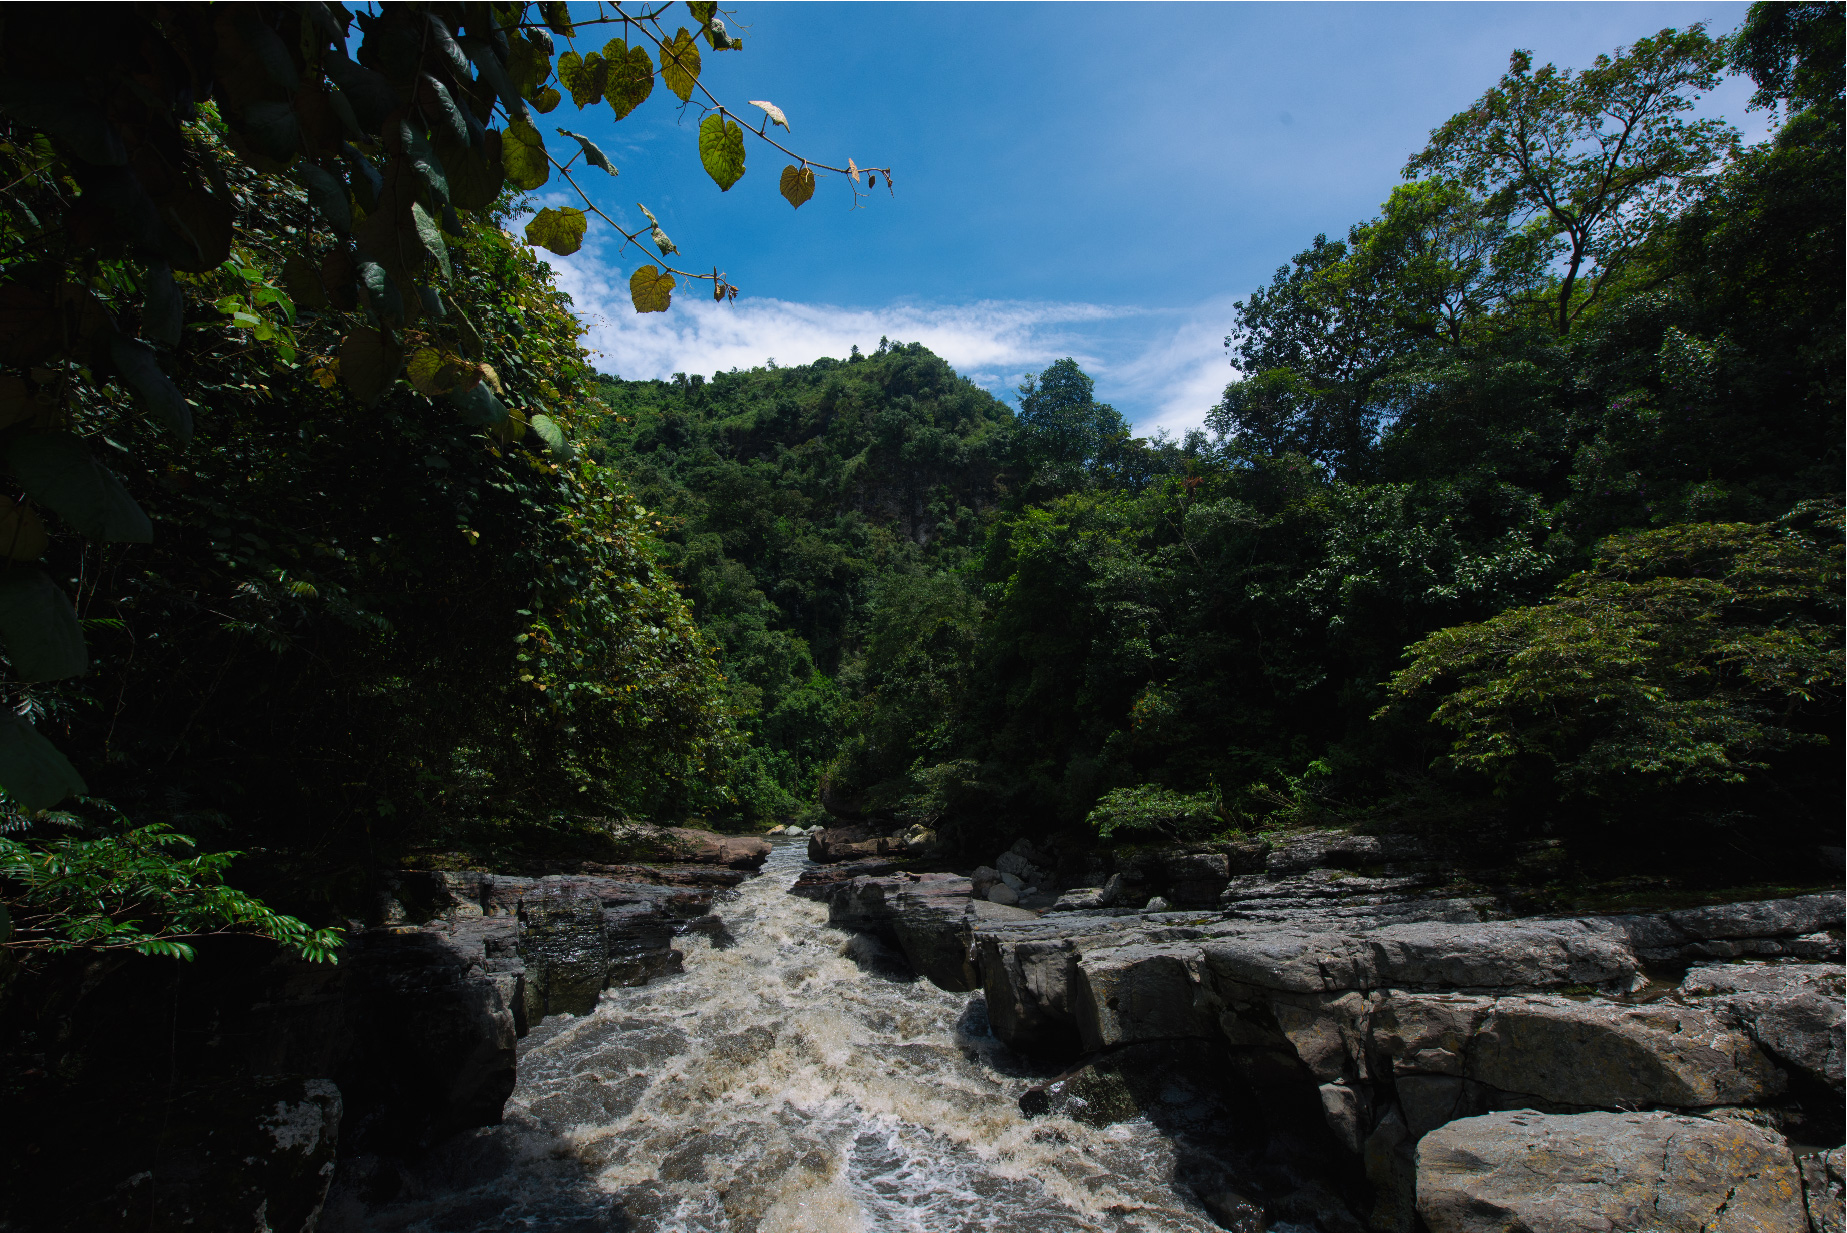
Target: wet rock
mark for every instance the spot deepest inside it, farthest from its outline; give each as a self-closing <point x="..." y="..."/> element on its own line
<point x="1792" y="1010"/>
<point x="930" y="921"/>
<point x="820" y="884"/>
<point x="1561" y="1173"/>
<point x="1127" y="1083"/>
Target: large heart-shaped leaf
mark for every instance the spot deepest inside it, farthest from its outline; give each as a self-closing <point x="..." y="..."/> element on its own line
<point x="522" y="155"/>
<point x="32" y="770"/>
<point x="59" y="472"/>
<point x="560" y="230"/>
<point x="721" y="149"/>
<point x="38" y="626"/>
<point x="140" y="371"/>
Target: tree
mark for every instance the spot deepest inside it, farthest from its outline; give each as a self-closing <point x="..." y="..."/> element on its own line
<point x="1064" y="429"/>
<point x="1600" y="158"/>
<point x="1793" y="51"/>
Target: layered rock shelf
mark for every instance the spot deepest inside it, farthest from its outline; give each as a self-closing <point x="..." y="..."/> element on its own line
<point x="1456" y="1069"/>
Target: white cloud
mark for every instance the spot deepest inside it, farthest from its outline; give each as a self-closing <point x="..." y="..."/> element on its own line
<point x="1158" y="378"/>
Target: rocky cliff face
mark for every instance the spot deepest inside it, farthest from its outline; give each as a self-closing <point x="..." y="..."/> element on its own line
<point x="1446" y="1067"/>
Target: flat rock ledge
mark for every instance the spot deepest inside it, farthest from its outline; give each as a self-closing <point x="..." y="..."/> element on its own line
<point x="1635" y="1071"/>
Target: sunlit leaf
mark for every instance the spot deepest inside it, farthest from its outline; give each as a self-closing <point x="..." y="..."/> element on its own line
<point x="797" y="184"/>
<point x="583" y="76"/>
<point x="721" y="149"/>
<point x="680" y="64"/>
<point x="560" y="230"/>
<point x="58" y="472"/>
<point x="522" y="154"/>
<point x="629" y="77"/>
<point x="548" y="431"/>
<point x="651" y="290"/>
<point x="39" y="628"/>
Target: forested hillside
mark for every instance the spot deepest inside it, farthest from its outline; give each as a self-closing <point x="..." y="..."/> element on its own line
<point x="1523" y="513"/>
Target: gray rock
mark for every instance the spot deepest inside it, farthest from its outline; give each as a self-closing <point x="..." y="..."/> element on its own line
<point x="1138" y="993"/>
<point x="1564" y="1173"/>
<point x="1765" y="919"/>
<point x="1157" y="904"/>
<point x="1511" y="954"/>
<point x="1793" y="1010"/>
<point x="1001" y="893"/>
<point x="930" y="920"/>
<point x="1598" y="1053"/>
<point x="1821" y="1191"/>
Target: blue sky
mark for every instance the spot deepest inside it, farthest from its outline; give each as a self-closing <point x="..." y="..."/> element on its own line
<point x="1096" y="180"/>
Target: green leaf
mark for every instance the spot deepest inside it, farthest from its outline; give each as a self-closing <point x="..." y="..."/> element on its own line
<point x="546" y="99"/>
<point x="528" y="64"/>
<point x="549" y="432"/>
<point x="583" y="77"/>
<point x="369" y="363"/>
<point x="141" y="373"/>
<point x="557" y="15"/>
<point x="629" y="79"/>
<point x="680" y="64"/>
<point x="478" y="405"/>
<point x="431" y="235"/>
<point x="38" y="625"/>
<point x="651" y="290"/>
<point x="494" y="73"/>
<point x="721" y="149"/>
<point x="59" y="472"/>
<point x="798" y="184"/>
<point x="304" y="282"/>
<point x="560" y="230"/>
<point x="382" y="292"/>
<point x="719" y="38"/>
<point x="522" y="153"/>
<point x="592" y="155"/>
<point x="702" y="10"/>
<point x="475" y="176"/>
<point x="422" y="156"/>
<point x="32" y="770"/>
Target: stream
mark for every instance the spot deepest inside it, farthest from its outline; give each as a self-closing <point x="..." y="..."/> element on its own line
<point x="795" y="1077"/>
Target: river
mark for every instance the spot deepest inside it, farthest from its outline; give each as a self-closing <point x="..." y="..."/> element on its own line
<point x="794" y="1078"/>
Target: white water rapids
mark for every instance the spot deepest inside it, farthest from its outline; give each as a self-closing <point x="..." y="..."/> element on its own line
<point x="794" y="1079"/>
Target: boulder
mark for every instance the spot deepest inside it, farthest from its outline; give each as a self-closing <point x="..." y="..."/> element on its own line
<point x="827" y="845"/>
<point x="930" y="920"/>
<point x="820" y="883"/>
<point x="1598" y="1053"/>
<point x="1002" y="893"/>
<point x="1139" y="993"/>
<point x="1792" y="1010"/>
<point x="1564" y="1173"/>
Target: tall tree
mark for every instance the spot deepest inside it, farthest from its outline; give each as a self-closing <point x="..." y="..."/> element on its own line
<point x="1600" y="158"/>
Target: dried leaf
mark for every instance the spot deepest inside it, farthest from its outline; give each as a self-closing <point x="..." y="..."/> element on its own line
<point x="651" y="290"/>
<point x="797" y="184"/>
<point x="772" y="111"/>
<point x="592" y="155"/>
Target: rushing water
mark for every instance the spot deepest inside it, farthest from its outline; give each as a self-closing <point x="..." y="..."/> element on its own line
<point x="795" y="1077"/>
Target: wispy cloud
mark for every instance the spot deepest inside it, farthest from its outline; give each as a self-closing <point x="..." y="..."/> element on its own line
<point x="1160" y="372"/>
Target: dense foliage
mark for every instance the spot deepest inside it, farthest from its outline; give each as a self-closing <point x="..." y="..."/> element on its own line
<point x="289" y="414"/>
<point x="1523" y="509"/>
